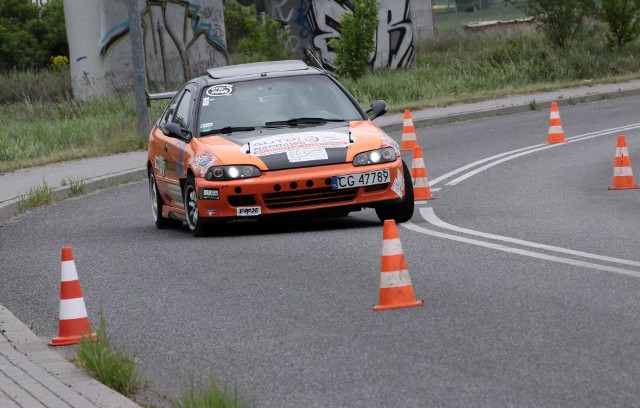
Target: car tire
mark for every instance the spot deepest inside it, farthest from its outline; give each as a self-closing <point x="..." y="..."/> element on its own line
<point x="401" y="212"/>
<point x="198" y="226"/>
<point x="156" y="206"/>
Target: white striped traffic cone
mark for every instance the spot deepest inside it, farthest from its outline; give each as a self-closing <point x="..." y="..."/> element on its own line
<point x="409" y="140"/>
<point x="395" y="284"/>
<point x="421" y="189"/>
<point x="556" y="134"/>
<point x="74" y="322"/>
<point x="622" y="172"/>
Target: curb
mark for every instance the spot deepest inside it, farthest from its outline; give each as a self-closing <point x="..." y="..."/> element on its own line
<point x="48" y="371"/>
<point x="11" y="208"/>
<point x="541" y="104"/>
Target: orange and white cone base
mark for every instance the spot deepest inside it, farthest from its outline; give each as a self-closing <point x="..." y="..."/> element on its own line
<point x="74" y="322"/>
<point x="622" y="172"/>
<point x="421" y="189"/>
<point x="556" y="134"/>
<point x="396" y="290"/>
<point x="409" y="140"/>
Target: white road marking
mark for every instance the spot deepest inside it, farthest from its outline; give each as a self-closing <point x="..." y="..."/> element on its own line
<point x="518" y="251"/>
<point x="430" y="216"/>
<point x="522" y="151"/>
<point x="470" y="165"/>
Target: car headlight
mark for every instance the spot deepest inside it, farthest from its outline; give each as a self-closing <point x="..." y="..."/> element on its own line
<point x="388" y="154"/>
<point x="219" y="173"/>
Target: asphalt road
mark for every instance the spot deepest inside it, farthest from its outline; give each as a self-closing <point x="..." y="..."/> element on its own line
<point x="542" y="312"/>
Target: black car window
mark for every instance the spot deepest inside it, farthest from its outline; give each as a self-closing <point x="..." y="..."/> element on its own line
<point x="258" y="102"/>
<point x="167" y="115"/>
<point x="181" y="116"/>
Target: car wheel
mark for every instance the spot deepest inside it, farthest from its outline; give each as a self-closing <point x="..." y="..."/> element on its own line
<point x="197" y="225"/>
<point x="156" y="206"/>
<point x="401" y="212"/>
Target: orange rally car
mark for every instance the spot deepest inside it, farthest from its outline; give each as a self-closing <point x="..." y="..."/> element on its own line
<point x="261" y="139"/>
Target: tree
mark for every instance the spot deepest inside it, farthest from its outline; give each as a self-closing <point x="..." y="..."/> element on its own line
<point x="623" y="18"/>
<point x="55" y="39"/>
<point x="356" y="40"/>
<point x="264" y="40"/>
<point x="561" y="21"/>
<point x="30" y="34"/>
<point x="19" y="47"/>
<point x="256" y="39"/>
<point x="235" y="15"/>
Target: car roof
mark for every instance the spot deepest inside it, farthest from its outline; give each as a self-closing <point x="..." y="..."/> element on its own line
<point x="257" y="68"/>
<point x="254" y="70"/>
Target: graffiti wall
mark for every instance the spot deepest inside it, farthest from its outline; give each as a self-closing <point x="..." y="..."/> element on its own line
<point x="313" y="23"/>
<point x="181" y="40"/>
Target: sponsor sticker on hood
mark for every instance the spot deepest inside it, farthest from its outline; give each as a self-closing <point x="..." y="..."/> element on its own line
<point x="298" y="142"/>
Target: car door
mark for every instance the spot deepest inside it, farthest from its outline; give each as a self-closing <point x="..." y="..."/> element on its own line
<point x="171" y="163"/>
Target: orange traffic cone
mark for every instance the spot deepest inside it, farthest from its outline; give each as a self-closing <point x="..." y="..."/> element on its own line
<point x="74" y="322"/>
<point x="622" y="173"/>
<point x="395" y="284"/>
<point x="409" y="140"/>
<point x="421" y="189"/>
<point x="556" y="134"/>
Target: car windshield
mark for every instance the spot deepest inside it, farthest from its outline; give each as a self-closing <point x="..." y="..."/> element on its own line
<point x="307" y="100"/>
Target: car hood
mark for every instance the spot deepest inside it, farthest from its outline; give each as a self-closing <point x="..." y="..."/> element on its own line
<point x="286" y="148"/>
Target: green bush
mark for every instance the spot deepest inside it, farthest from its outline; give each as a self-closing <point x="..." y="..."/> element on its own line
<point x="561" y="21"/>
<point x="253" y="39"/>
<point x="356" y="40"/>
<point x="264" y="40"/>
<point x="235" y="15"/>
<point x="30" y="34"/>
<point x="623" y="18"/>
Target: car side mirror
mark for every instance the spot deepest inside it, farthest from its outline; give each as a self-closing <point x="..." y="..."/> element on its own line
<point x="174" y="130"/>
<point x="378" y="108"/>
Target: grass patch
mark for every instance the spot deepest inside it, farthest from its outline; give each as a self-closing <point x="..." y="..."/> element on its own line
<point x="211" y="396"/>
<point x="43" y="85"/>
<point x="37" y="196"/>
<point x="76" y="187"/>
<point x="111" y="367"/>
<point x="38" y="132"/>
<point x="472" y="67"/>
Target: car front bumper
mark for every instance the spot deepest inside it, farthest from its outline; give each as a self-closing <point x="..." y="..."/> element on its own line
<point x="294" y="190"/>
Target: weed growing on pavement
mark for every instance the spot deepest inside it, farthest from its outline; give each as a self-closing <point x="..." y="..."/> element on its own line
<point x="111" y="367"/>
<point x="533" y="105"/>
<point x="37" y="196"/>
<point x="211" y="396"/>
<point x="76" y="187"/>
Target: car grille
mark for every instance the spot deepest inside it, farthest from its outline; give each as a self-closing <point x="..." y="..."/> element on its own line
<point x="307" y="198"/>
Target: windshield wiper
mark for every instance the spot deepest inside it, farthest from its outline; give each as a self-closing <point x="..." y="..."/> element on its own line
<point x="301" y="121"/>
<point x="227" y="129"/>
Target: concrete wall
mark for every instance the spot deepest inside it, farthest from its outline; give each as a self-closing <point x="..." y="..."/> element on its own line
<point x="313" y="23"/>
<point x="181" y="39"/>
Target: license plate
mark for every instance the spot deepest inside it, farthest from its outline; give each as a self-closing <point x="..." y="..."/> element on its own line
<point x="369" y="178"/>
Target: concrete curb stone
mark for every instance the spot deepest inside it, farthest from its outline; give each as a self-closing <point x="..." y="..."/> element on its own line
<point x="31" y="374"/>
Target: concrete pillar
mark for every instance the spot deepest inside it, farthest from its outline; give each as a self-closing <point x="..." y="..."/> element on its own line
<point x="422" y="19"/>
<point x="181" y="41"/>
